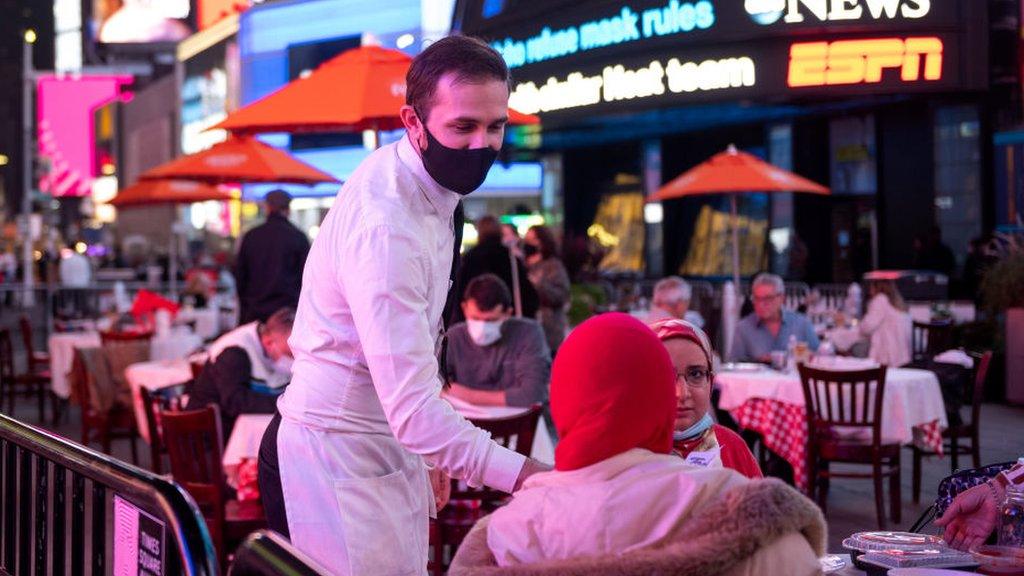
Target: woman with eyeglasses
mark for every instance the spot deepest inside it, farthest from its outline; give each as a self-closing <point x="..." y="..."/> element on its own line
<point x="696" y="437"/>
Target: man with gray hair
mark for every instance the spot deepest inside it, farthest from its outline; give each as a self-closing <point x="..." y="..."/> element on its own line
<point x="671" y="299"/>
<point x="770" y="327"/>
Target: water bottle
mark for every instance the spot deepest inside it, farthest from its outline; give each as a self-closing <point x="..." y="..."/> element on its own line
<point x="791" y="353"/>
<point x="1011" y="518"/>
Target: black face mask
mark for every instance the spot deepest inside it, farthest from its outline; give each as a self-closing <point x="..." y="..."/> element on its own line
<point x="461" y="171"/>
<point x="530" y="250"/>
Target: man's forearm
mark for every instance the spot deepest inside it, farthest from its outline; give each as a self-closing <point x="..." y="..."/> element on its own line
<point x="479" y="397"/>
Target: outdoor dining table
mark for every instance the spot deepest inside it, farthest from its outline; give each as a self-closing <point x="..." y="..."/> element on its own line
<point x="244" y="443"/>
<point x="153" y="376"/>
<point x="176" y="344"/>
<point x="771" y="403"/>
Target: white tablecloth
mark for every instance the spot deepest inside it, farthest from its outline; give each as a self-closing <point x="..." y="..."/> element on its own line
<point x="154" y="375"/>
<point x="244" y="443"/>
<point x="247" y="434"/>
<point x="179" y="343"/>
<point x="207" y="321"/>
<point x="912" y="397"/>
<point x="62" y="352"/>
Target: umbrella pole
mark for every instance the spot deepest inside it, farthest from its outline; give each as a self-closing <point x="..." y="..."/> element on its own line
<point x="172" y="265"/>
<point x="734" y="221"/>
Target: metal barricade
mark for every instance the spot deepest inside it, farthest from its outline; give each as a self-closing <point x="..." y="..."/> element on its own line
<point x="69" y="509"/>
<point x="267" y="553"/>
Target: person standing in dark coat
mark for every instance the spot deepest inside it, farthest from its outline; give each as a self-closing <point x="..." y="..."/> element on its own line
<point x="491" y="256"/>
<point x="268" y="271"/>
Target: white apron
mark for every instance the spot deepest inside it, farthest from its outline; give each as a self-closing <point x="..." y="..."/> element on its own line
<point x="364" y="508"/>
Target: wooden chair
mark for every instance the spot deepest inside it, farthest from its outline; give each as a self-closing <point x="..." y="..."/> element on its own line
<point x="155" y="404"/>
<point x="38" y="361"/>
<point x="195" y="445"/>
<point x="931" y="338"/>
<point x="967" y="431"/>
<point x="467" y="505"/>
<point x="842" y="402"/>
<point x="26" y="384"/>
<point x="117" y="423"/>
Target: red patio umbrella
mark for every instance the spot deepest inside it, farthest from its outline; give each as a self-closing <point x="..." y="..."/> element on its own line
<point x="240" y="159"/>
<point x="149" y="192"/>
<point x="733" y="172"/>
<point x="360" y="89"/>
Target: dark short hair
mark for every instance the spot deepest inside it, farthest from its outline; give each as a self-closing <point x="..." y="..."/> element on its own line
<point x="488" y="291"/>
<point x="470" y="59"/>
<point x="281" y="321"/>
<point x="488" y="228"/>
<point x="548" y="245"/>
<point x="278" y="200"/>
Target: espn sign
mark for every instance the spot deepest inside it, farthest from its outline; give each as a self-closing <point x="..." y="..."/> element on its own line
<point x="846" y="62"/>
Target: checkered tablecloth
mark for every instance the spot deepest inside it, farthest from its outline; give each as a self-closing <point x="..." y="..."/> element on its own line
<point x="772" y="404"/>
<point x="783" y="428"/>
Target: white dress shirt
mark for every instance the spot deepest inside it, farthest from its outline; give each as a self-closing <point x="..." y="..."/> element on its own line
<point x="363" y="405"/>
<point x="368" y="324"/>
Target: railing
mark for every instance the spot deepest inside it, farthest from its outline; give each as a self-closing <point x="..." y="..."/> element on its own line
<point x="267" y="553"/>
<point x="67" y="508"/>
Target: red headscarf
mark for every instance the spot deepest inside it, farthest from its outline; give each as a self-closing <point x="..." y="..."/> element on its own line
<point x="612" y="389"/>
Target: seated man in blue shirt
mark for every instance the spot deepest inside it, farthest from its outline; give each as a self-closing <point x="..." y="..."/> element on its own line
<point x="493" y="359"/>
<point x="770" y="326"/>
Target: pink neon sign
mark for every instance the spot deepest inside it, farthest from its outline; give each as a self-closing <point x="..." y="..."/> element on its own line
<point x="65" y="125"/>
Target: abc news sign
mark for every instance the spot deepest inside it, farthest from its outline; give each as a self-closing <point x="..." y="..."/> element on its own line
<point x="569" y="57"/>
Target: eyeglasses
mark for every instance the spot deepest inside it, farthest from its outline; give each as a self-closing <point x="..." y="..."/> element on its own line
<point x="695" y="376"/>
<point x="765" y="299"/>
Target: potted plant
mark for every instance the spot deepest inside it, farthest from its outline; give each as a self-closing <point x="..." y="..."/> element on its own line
<point x="1003" y="293"/>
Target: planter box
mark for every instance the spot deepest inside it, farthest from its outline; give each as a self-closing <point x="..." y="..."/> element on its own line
<point x="1015" y="355"/>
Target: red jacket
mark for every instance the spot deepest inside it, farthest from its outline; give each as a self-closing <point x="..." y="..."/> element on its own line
<point x="735" y="453"/>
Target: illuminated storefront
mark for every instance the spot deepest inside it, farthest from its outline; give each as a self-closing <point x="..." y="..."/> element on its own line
<point x="886" y="101"/>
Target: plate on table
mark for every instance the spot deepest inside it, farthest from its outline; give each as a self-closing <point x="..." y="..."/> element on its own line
<point x="742" y="367"/>
<point x="1004" y="560"/>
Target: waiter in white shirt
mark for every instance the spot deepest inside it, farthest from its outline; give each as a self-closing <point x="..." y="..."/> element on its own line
<point x="362" y="419"/>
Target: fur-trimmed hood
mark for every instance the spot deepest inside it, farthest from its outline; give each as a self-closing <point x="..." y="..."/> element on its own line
<point x="725" y="533"/>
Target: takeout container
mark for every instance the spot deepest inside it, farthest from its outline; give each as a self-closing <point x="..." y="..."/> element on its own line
<point x="880" y="541"/>
<point x="1001" y="560"/>
<point x="879" y="563"/>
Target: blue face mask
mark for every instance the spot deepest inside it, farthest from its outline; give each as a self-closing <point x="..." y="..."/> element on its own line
<point x="697" y="429"/>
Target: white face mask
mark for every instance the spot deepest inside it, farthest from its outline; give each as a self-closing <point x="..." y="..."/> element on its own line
<point x="283" y="365"/>
<point x="484" y="333"/>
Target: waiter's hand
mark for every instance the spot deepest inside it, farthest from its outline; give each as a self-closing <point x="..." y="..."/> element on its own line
<point x="442" y="486"/>
<point x="530" y="468"/>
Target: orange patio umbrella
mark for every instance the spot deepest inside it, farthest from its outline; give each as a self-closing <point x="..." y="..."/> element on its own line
<point x="149" y="192"/>
<point x="733" y="172"/>
<point x="360" y="89"/>
<point x="240" y="159"/>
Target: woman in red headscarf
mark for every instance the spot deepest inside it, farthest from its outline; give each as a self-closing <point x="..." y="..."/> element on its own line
<point x="618" y="501"/>
<point x="696" y="437"/>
